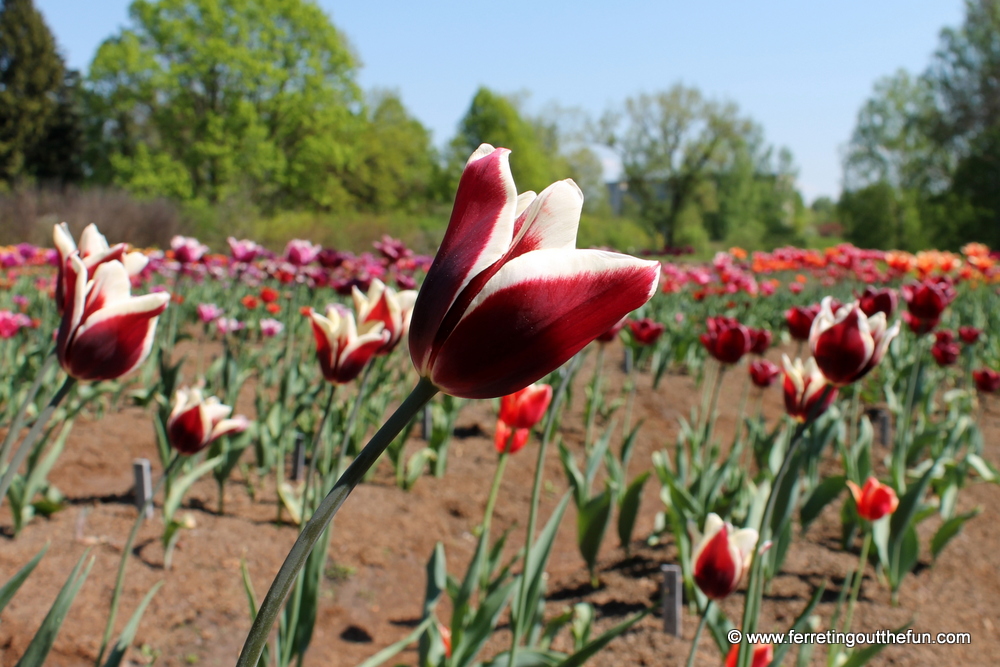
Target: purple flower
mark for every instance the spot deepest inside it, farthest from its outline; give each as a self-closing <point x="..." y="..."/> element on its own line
<point x="301" y="252"/>
<point x="209" y="312"/>
<point x="188" y="250"/>
<point x="243" y="251"/>
<point x="270" y="327"/>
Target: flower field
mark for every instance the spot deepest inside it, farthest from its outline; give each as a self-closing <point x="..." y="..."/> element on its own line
<point x="810" y="435"/>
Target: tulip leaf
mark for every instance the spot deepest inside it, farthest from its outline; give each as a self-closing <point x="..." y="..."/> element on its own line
<point x="950" y="529"/>
<point x="983" y="468"/>
<point x="181" y="485"/>
<point x="128" y="634"/>
<point x="864" y="656"/>
<point x="821" y="496"/>
<point x="592" y="522"/>
<point x="12" y="585"/>
<point x="628" y="509"/>
<point x="392" y="650"/>
<point x="799" y="625"/>
<point x="481" y="626"/>
<point x="595" y="645"/>
<point x="534" y="568"/>
<point x="41" y="644"/>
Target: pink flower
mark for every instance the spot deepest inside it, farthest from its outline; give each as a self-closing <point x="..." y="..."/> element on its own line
<point x="187" y="249"/>
<point x="196" y="421"/>
<point x="208" y="312"/>
<point x="509" y="298"/>
<point x="11" y="323"/>
<point x="228" y="325"/>
<point x="244" y="251"/>
<point x="105" y="331"/>
<point x="301" y="252"/>
<point x="270" y="327"/>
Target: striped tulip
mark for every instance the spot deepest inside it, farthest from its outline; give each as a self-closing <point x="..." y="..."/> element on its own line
<point x="804" y="386"/>
<point x="846" y="343"/>
<point x="196" y="421"/>
<point x="721" y="556"/>
<point x="383" y="304"/>
<point x="508" y="297"/>
<point x="94" y="251"/>
<point x="341" y="348"/>
<point x="105" y="332"/>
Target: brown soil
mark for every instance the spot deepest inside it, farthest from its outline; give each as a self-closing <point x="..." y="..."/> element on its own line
<point x="384" y="536"/>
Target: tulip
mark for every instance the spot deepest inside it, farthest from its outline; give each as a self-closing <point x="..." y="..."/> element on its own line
<point x="721" y="556"/>
<point x="208" y="312"/>
<point x="94" y="251"/>
<point x="269" y="295"/>
<point x="874" y="301"/>
<point x="726" y="339"/>
<point x="383" y="304"/>
<point x="846" y="343"/>
<point x="11" y="323"/>
<point x="926" y="301"/>
<point x="105" y="332"/>
<point x="270" y="328"/>
<point x="300" y="252"/>
<point x="612" y="332"/>
<point x="228" y="325"/>
<point x="874" y="500"/>
<point x="196" y="421"/>
<point x="970" y="335"/>
<point x="508" y="298"/>
<point x="244" y="251"/>
<point x="188" y="250"/>
<point x="763" y="373"/>
<point x="763" y="654"/>
<point x="341" y="347"/>
<point x="518" y="413"/>
<point x="760" y="341"/>
<point x="645" y="331"/>
<point x="945" y="350"/>
<point x="987" y="380"/>
<point x="800" y="320"/>
<point x="804" y="387"/>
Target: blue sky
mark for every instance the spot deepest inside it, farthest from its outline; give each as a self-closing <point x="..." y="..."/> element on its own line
<point x="800" y="68"/>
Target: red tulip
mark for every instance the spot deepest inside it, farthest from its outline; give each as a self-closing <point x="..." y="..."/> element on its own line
<point x="645" y="331"/>
<point x="969" y="335"/>
<point x="105" y="331"/>
<point x="760" y="341"/>
<point x="196" y="421"/>
<point x="945" y="350"/>
<point x="383" y="304"/>
<point x="94" y="251"/>
<point x="874" y="301"/>
<point x="269" y="295"/>
<point x="874" y="500"/>
<point x="518" y="413"/>
<point x="846" y="343"/>
<point x="721" y="556"/>
<point x="800" y="320"/>
<point x="926" y="301"/>
<point x="726" y="339"/>
<point x="987" y="380"/>
<point x="804" y="386"/>
<point x="343" y="350"/>
<point x="763" y="373"/>
<point x="763" y="654"/>
<point x="508" y="298"/>
<point x="919" y="325"/>
<point x="612" y="333"/>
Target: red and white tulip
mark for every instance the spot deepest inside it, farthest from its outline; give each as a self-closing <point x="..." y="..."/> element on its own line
<point x="383" y="304"/>
<point x="196" y="421"/>
<point x="341" y="347"/>
<point x="508" y="297"/>
<point x="846" y="343"/>
<point x="721" y="556"/>
<point x="804" y="387"/>
<point x="94" y="251"/>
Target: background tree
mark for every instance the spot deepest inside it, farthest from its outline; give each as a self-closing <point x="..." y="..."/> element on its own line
<point x="31" y="77"/>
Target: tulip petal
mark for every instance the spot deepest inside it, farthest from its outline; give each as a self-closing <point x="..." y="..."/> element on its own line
<point x="715" y="570"/>
<point x="551" y="221"/>
<point x="479" y="233"/>
<point x="116" y="340"/>
<point x="552" y="303"/>
<point x="187" y="431"/>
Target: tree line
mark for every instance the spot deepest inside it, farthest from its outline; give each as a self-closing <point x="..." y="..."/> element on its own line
<point x="213" y="101"/>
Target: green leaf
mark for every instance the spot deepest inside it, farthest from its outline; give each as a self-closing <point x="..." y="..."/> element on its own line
<point x="8" y="590"/>
<point x="181" y="485"/>
<point x="392" y="649"/>
<point x="591" y="649"/>
<point x="950" y="529"/>
<point x="821" y="496"/>
<point x="799" y="625"/>
<point x="41" y="644"/>
<point x="864" y="656"/>
<point x="628" y="509"/>
<point x="534" y="567"/>
<point x="128" y="634"/>
<point x="591" y="523"/>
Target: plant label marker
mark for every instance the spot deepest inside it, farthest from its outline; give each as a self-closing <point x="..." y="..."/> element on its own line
<point x="426" y="423"/>
<point x="299" y="458"/>
<point x="627" y="361"/>
<point x="671" y="599"/>
<point x="143" y="486"/>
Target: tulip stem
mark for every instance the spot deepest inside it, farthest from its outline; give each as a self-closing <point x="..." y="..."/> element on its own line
<point x="710" y="415"/>
<point x="902" y="432"/>
<point x="346" y="439"/>
<point x="15" y="426"/>
<point x="755" y="584"/>
<point x="858" y="576"/>
<point x="313" y="453"/>
<point x="697" y="633"/>
<point x="36" y="431"/>
<point x="123" y="563"/>
<point x="327" y="509"/>
<point x="517" y="615"/>
<point x="595" y="402"/>
<point x="484" y="536"/>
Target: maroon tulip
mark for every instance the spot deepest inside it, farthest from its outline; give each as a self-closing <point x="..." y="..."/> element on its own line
<point x="726" y="339"/>
<point x="721" y="556"/>
<point x="763" y="373"/>
<point x="187" y="249"/>
<point x="919" y="325"/>
<point x="847" y="344"/>
<point x="804" y="387"/>
<point x="341" y="348"/>
<point x="987" y="380"/>
<point x="645" y="331"/>
<point x="945" y="350"/>
<point x="926" y="301"/>
<point x="760" y="341"/>
<point x="800" y="320"/>
<point x="969" y="335"/>
<point x="612" y="333"/>
<point x="105" y="331"/>
<point x="196" y="421"/>
<point x="874" y="301"/>
<point x="509" y="298"/>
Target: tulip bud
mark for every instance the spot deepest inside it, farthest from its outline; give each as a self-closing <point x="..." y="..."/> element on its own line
<point x="188" y="250"/>
<point x="196" y="421"/>
<point x="726" y="339"/>
<point x="518" y="413"/>
<point x="721" y="556"/>
<point x="969" y="335"/>
<point x="383" y="304"/>
<point x="763" y="373"/>
<point x="846" y="343"/>
<point x="874" y="500"/>
<point x="341" y="348"/>
<point x="987" y="380"/>
<point x="874" y="301"/>
<point x="763" y="654"/>
<point x="800" y="320"/>
<point x="804" y="388"/>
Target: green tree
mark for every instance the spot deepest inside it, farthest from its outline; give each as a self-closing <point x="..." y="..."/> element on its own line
<point x="881" y="216"/>
<point x="31" y="75"/>
<point x="213" y="98"/>
<point x="671" y="144"/>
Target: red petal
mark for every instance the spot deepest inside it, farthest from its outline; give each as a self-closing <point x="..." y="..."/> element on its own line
<point x="186" y="431"/>
<point x="113" y="347"/>
<point x="715" y="572"/>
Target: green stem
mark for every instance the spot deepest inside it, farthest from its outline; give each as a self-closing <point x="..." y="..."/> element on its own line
<point x="313" y="453"/>
<point x="123" y="563"/>
<point x="594" y="398"/>
<point x="536" y="488"/>
<point x="15" y="426"/>
<point x="743" y="409"/>
<point x="491" y="501"/>
<point x="697" y="634"/>
<point x="865" y="546"/>
<point x="630" y="399"/>
<point x="855" y="410"/>
<point x="327" y="509"/>
<point x="345" y="440"/>
<point x="32" y="436"/>
<point x="711" y="414"/>
<point x="902" y="432"/>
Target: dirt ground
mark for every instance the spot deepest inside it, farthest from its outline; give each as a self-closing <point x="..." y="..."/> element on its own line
<point x="384" y="536"/>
